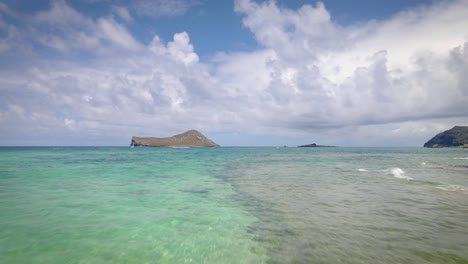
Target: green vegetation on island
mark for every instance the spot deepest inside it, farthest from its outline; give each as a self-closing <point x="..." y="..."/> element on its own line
<point x="455" y="137"/>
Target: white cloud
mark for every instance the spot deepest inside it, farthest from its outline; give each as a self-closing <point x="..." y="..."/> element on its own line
<point x="182" y="50"/>
<point x="7" y="31"/>
<point x="373" y="76"/>
<point x="292" y="34"/>
<point x="158" y="8"/>
<point x="364" y="83"/>
<point x="117" y="34"/>
<point x="123" y="13"/>
<point x="69" y="122"/>
<point x="406" y="37"/>
<point x="63" y="28"/>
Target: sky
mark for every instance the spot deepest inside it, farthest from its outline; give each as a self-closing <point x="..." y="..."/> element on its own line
<point x="242" y="72"/>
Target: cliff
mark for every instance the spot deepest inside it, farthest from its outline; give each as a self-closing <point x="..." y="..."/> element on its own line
<point x="191" y="138"/>
<point x="455" y="137"/>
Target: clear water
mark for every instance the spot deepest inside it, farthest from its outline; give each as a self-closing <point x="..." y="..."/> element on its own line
<point x="233" y="205"/>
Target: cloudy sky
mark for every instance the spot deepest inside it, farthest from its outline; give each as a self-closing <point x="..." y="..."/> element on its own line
<point x="347" y="73"/>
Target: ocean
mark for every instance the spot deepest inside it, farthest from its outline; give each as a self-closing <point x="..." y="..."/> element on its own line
<point x="233" y="205"/>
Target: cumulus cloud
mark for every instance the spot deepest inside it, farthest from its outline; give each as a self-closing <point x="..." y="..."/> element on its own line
<point x="181" y="49"/>
<point x="370" y="82"/>
<point x="380" y="72"/>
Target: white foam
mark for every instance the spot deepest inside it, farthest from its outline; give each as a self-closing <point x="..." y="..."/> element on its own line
<point x="423" y="163"/>
<point x="451" y="187"/>
<point x="462" y="158"/>
<point x="399" y="173"/>
<point x="362" y="170"/>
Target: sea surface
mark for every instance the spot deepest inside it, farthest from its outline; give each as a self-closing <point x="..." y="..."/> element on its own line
<point x="233" y="205"/>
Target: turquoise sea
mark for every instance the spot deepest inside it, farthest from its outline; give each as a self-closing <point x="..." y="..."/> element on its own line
<point x="233" y="205"/>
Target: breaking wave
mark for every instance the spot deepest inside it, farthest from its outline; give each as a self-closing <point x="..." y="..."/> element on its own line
<point x="399" y="173"/>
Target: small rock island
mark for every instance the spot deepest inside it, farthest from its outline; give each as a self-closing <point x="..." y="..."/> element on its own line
<point x="455" y="137"/>
<point x="191" y="138"/>
<point x="313" y="145"/>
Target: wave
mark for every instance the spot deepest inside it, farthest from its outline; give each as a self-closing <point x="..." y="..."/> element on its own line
<point x="399" y="173"/>
<point x="362" y="170"/>
<point x="451" y="187"/>
<point x="465" y="158"/>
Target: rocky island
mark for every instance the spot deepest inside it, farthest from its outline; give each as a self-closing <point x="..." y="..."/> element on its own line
<point x="455" y="137"/>
<point x="191" y="138"/>
<point x="313" y="145"/>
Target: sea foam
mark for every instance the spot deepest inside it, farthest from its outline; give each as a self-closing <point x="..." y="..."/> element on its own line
<point x="362" y="170"/>
<point x="399" y="173"/>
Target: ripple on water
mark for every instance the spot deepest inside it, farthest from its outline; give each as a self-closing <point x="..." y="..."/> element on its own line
<point x="325" y="215"/>
<point x="233" y="205"/>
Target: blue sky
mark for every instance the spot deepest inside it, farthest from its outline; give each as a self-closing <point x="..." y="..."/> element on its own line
<point x="243" y="72"/>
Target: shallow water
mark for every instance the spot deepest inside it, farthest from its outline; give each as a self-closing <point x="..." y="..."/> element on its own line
<point x="233" y="205"/>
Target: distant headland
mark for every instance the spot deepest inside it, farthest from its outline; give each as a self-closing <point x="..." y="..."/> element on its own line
<point x="191" y="138"/>
<point x="313" y="145"/>
<point x="455" y="137"/>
